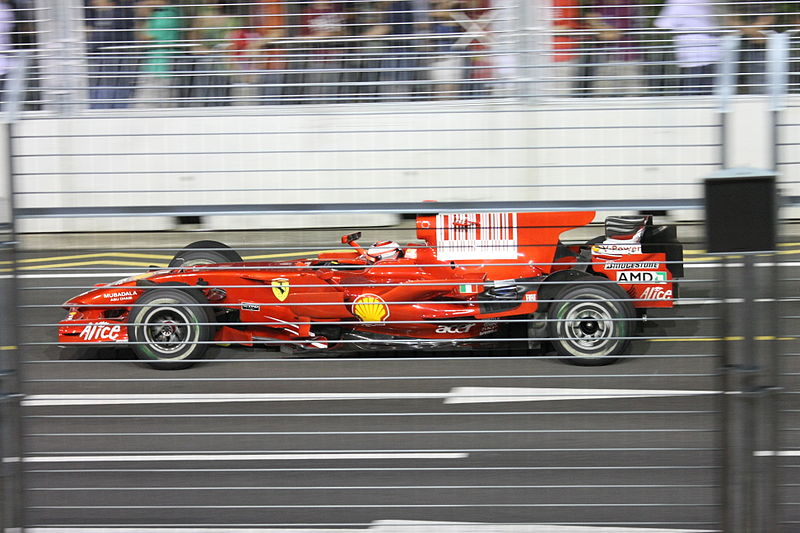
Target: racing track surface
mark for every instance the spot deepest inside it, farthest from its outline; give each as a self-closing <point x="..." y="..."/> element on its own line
<point x="347" y="441"/>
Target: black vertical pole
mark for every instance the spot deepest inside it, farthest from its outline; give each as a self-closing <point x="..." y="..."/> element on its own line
<point x="11" y="408"/>
<point x="9" y="386"/>
<point x="727" y="516"/>
<point x="741" y="223"/>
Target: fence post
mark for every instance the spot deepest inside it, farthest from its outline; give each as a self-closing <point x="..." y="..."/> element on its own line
<point x="531" y="27"/>
<point x="12" y="506"/>
<point x="62" y="65"/>
<point x="778" y="80"/>
<point x="726" y="88"/>
<point x="11" y="493"/>
<point x="741" y="219"/>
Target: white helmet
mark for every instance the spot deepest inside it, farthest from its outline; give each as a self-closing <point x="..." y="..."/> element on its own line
<point x="384" y="250"/>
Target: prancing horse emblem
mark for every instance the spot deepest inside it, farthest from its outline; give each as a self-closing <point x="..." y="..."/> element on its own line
<point x="280" y="288"/>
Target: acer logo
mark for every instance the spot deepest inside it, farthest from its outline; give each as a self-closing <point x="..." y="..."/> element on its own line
<point x="462" y="328"/>
<point x="102" y="331"/>
<point x="657" y="293"/>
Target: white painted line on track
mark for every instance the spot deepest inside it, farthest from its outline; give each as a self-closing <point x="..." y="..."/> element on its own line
<point x="696" y="302"/>
<point x="413" y="526"/>
<point x="782" y="453"/>
<point x="522" y="394"/>
<point x="188" y="530"/>
<point x="455" y="395"/>
<point x="45" y="400"/>
<point x="716" y="264"/>
<point x="690" y="301"/>
<point x="115" y="275"/>
<point x="243" y="457"/>
<point x="379" y="526"/>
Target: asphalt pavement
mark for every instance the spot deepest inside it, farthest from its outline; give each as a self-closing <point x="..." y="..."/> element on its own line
<point x="400" y="441"/>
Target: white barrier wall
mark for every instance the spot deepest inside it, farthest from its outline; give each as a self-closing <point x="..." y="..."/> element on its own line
<point x="617" y="148"/>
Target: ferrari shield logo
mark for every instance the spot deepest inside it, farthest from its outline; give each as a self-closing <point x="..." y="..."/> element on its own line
<point x="280" y="288"/>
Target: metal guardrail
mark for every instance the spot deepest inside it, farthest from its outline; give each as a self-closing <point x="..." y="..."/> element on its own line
<point x="376" y="208"/>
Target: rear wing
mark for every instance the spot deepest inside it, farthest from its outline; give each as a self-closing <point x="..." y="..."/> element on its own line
<point x="652" y="238"/>
<point x="501" y="237"/>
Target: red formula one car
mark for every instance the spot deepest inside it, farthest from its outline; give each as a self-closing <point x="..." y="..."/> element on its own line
<point x="472" y="278"/>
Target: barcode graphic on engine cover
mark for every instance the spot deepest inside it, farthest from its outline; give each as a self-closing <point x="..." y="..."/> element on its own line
<point x="476" y="236"/>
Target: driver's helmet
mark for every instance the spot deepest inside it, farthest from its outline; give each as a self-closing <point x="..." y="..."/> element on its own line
<point x="384" y="250"/>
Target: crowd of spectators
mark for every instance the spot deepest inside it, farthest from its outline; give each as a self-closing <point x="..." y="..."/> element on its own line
<point x="165" y="53"/>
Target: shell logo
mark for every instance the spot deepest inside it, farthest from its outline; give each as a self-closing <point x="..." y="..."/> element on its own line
<point x="370" y="308"/>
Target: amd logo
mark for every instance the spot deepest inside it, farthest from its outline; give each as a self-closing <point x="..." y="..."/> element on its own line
<point x="641" y="276"/>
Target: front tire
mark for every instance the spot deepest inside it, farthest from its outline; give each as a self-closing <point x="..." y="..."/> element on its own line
<point x="205" y="253"/>
<point x="591" y="323"/>
<point x="169" y="328"/>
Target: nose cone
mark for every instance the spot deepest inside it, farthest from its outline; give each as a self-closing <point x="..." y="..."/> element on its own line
<point x="105" y="296"/>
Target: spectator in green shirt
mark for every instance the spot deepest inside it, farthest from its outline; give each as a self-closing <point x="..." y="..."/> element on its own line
<point x="160" y="28"/>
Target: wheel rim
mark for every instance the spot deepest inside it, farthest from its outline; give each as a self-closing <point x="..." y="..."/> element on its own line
<point x="167" y="331"/>
<point x="587" y="326"/>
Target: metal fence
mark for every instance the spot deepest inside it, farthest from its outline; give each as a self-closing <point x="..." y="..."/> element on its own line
<point x="373" y="137"/>
<point x="275" y="52"/>
<point x="125" y="54"/>
<point x="694" y="428"/>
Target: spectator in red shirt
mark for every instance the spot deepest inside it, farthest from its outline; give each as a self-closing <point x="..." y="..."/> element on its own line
<point x="322" y="22"/>
<point x="560" y="69"/>
<point x="611" y="63"/>
<point x="261" y="54"/>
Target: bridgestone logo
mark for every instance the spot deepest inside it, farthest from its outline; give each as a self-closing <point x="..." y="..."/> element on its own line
<point x="636" y="276"/>
<point x="632" y="266"/>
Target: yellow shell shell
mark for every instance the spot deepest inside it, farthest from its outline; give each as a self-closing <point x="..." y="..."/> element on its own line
<point x="370" y="308"/>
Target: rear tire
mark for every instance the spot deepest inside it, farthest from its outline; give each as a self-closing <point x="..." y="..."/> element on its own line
<point x="591" y="323"/>
<point x="205" y="253"/>
<point x="169" y="328"/>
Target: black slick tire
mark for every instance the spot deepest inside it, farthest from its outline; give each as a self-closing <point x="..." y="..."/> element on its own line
<point x="590" y="324"/>
<point x="204" y="253"/>
<point x="169" y="328"/>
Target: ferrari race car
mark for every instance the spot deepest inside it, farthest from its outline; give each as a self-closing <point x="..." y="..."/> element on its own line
<point x="472" y="278"/>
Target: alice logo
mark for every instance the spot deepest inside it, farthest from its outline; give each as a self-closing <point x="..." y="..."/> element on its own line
<point x="280" y="288"/>
<point x="370" y="308"/>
